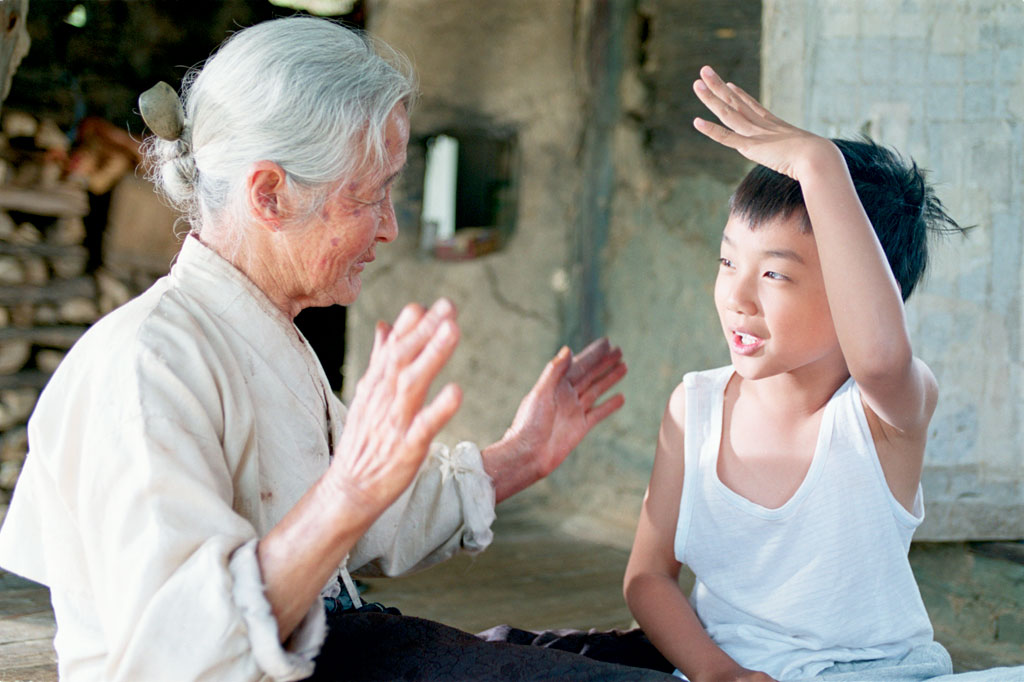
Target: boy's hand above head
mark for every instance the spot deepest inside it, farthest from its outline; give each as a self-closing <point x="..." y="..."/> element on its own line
<point x="755" y="132"/>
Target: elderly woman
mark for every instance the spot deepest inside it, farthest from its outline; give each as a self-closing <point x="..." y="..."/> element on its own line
<point x="195" y="495"/>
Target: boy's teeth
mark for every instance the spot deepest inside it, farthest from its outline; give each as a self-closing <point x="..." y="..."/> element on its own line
<point x="746" y="339"/>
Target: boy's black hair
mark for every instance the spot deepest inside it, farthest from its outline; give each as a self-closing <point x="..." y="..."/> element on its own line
<point x="901" y="206"/>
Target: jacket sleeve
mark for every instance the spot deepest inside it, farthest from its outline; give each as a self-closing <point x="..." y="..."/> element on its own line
<point x="448" y="507"/>
<point x="164" y="581"/>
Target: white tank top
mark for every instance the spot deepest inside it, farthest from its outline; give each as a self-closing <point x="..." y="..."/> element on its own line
<point x="820" y="580"/>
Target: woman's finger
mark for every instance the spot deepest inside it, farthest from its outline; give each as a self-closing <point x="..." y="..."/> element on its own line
<point x="415" y="379"/>
<point x="598" y="414"/>
<point x="412" y="343"/>
<point x="609" y="378"/>
<point x="587" y="358"/>
<point x="594" y="373"/>
<point x="432" y="418"/>
<point x="410" y="314"/>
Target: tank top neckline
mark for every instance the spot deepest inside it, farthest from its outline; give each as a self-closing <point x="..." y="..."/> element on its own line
<point x="713" y="449"/>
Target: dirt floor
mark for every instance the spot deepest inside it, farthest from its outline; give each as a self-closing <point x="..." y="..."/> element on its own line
<point x="538" y="578"/>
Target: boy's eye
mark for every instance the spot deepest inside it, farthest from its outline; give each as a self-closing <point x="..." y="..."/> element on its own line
<point x="776" y="276"/>
<point x="725" y="262"/>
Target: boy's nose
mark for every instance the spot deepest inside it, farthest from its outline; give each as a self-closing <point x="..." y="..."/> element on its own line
<point x="741" y="297"/>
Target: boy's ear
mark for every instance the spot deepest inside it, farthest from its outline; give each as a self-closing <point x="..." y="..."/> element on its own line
<point x="266" y="186"/>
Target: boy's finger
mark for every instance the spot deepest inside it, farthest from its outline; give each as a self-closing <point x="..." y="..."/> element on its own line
<point x="718" y="133"/>
<point x="726" y="113"/>
<point x="748" y="100"/>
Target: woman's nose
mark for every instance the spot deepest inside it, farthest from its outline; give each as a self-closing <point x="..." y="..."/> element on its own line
<point x="387" y="229"/>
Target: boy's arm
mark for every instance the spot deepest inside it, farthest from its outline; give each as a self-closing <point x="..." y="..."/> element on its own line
<point x="864" y="298"/>
<point x="651" y="583"/>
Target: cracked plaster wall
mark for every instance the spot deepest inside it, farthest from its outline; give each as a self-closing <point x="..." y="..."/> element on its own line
<point x="506" y="66"/>
<point x="651" y="232"/>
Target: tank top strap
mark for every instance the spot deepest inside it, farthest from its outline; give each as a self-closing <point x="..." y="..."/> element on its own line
<point x="704" y="395"/>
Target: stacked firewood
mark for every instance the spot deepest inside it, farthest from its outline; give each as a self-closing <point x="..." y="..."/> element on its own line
<point x="47" y="297"/>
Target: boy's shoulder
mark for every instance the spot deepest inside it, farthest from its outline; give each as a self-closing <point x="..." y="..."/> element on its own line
<point x="706" y="378"/>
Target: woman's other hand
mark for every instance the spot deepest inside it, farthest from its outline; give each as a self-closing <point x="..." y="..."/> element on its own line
<point x="560" y="409"/>
<point x="389" y="429"/>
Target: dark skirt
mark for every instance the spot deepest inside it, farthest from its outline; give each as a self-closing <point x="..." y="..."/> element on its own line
<point x="376" y="643"/>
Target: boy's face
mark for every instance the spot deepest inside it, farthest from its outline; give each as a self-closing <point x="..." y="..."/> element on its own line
<point x="771" y="300"/>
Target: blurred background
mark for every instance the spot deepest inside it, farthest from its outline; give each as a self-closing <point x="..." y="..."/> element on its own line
<point x="587" y="204"/>
<point x="580" y="203"/>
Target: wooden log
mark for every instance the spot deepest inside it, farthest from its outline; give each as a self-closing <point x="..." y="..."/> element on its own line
<point x="29" y="378"/>
<point x="70" y="265"/>
<point x="57" y="202"/>
<point x="16" y="405"/>
<point x="37" y="273"/>
<point x="14" y="445"/>
<point x="14" y="355"/>
<point x="11" y="270"/>
<point x="56" y="336"/>
<point x="47" y="360"/>
<point x="112" y="291"/>
<point x="57" y="291"/>
<point x="45" y="315"/>
<point x="78" y="311"/>
<point x="48" y="251"/>
<point x="22" y="314"/>
<point x="66" y="230"/>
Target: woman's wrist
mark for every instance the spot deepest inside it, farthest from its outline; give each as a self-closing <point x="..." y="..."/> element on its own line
<point x="511" y="466"/>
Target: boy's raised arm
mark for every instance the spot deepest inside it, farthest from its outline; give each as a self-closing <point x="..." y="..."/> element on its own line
<point x="651" y="583"/>
<point x="864" y="298"/>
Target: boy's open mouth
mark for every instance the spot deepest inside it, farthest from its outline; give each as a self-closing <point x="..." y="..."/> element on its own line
<point x="745" y="343"/>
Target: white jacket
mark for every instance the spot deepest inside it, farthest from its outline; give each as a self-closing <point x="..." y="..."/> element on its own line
<point x="176" y="433"/>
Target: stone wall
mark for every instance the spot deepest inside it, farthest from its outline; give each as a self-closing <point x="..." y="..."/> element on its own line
<point x="944" y="83"/>
<point x="508" y="66"/>
<point x="620" y="206"/>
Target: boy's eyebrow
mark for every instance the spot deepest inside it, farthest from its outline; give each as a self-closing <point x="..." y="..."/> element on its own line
<point x="785" y="254"/>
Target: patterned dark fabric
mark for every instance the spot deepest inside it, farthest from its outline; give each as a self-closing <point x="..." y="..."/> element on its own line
<point x="377" y="643"/>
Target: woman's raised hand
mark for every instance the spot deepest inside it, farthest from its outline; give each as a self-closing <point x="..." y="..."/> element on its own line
<point x="555" y="415"/>
<point x="389" y="429"/>
<point x="754" y="131"/>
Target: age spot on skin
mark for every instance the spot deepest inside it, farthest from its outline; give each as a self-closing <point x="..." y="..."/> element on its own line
<point x="334" y="241"/>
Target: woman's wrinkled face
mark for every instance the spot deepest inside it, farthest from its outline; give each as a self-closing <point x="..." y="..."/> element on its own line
<point x="354" y="219"/>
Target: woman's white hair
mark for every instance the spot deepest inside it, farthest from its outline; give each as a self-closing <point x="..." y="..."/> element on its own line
<point x="305" y="93"/>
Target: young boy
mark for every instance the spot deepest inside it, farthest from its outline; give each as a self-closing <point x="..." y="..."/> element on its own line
<point x="789" y="482"/>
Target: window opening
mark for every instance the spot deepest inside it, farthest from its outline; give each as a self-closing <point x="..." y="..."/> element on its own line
<point x="468" y="195"/>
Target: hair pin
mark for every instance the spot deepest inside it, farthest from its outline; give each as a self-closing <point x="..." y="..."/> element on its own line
<point x="162" y="111"/>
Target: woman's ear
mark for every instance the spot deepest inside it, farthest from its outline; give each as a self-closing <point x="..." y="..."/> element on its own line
<point x="266" y="186"/>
